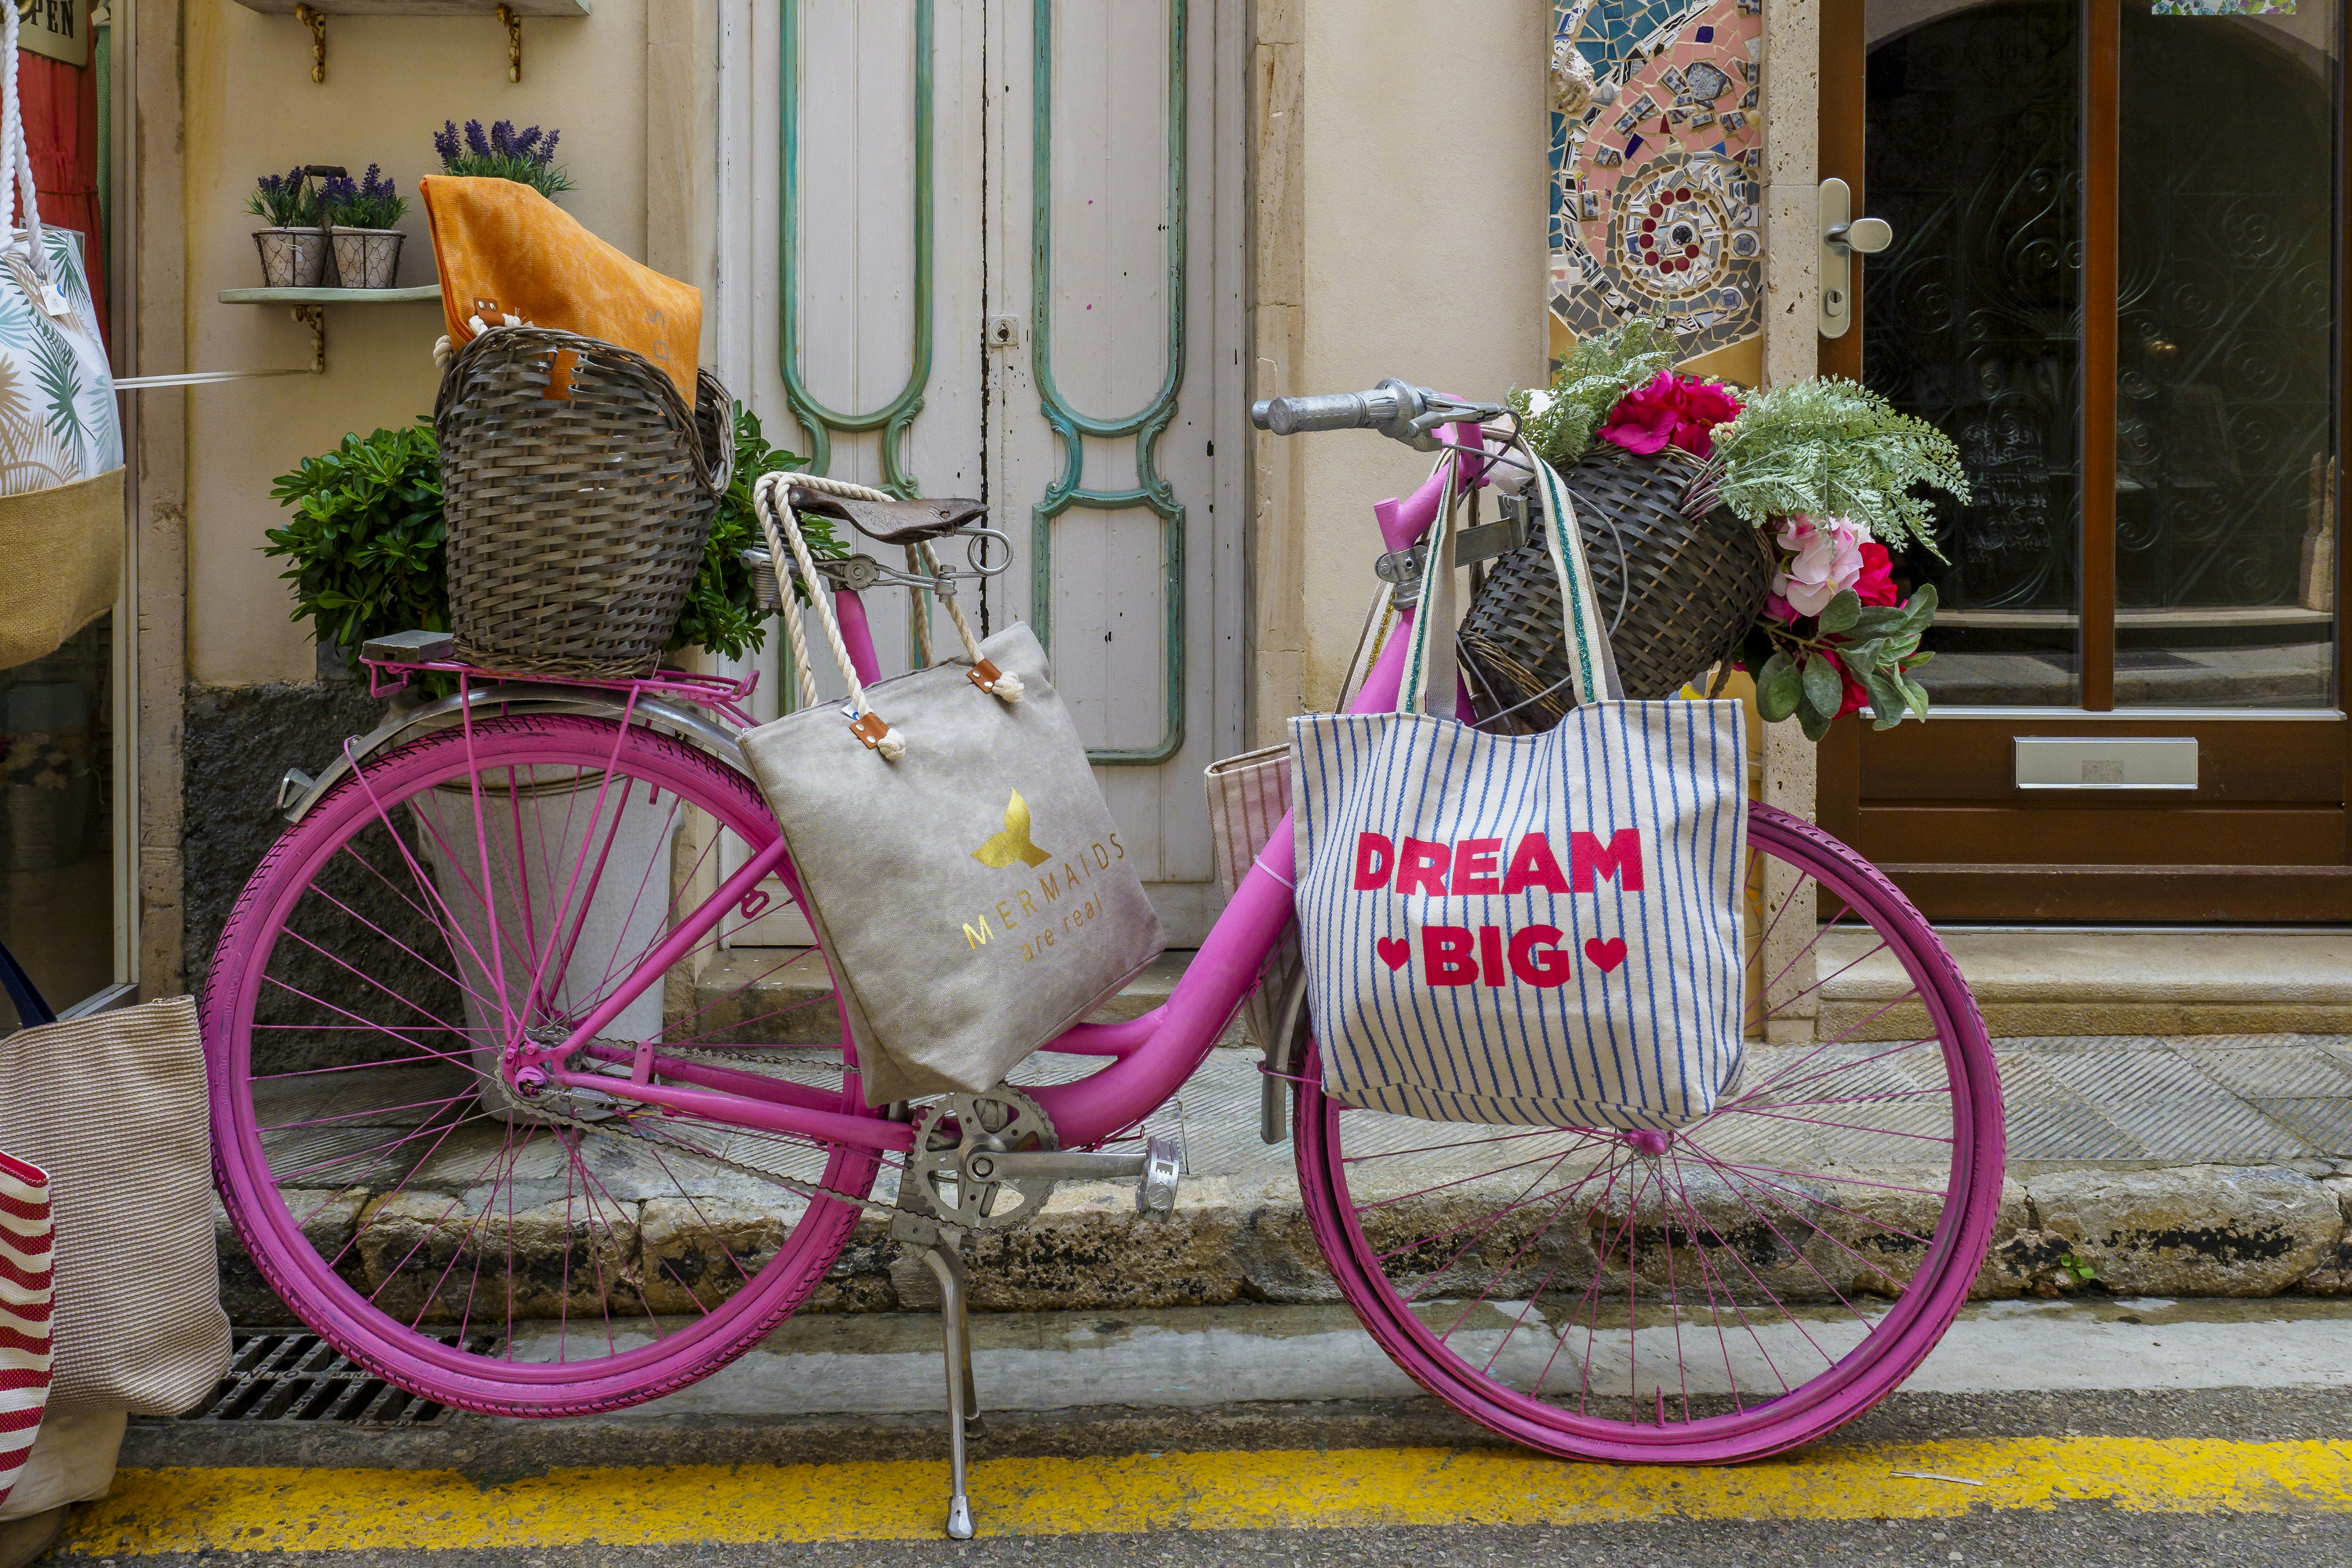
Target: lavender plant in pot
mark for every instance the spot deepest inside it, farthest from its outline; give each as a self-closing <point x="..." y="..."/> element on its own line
<point x="363" y="213"/>
<point x="293" y="247"/>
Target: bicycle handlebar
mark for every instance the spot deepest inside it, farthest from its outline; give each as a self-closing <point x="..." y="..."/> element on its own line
<point x="1397" y="409"/>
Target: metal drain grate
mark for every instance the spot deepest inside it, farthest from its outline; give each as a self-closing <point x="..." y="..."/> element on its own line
<point x="292" y="1375"/>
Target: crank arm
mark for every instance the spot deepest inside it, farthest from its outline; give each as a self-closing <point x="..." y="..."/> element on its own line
<point x="1157" y="1167"/>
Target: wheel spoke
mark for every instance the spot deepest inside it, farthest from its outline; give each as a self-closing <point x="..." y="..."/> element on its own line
<point x="416" y="1203"/>
<point x="1768" y="1259"/>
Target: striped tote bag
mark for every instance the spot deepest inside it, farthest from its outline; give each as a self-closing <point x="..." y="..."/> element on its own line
<point x="1526" y="929"/>
<point x="26" y="1284"/>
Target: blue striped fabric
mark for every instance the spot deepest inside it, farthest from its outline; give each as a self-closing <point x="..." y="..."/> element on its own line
<point x="1551" y="936"/>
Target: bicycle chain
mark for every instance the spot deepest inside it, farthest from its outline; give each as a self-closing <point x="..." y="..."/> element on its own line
<point x="621" y="1125"/>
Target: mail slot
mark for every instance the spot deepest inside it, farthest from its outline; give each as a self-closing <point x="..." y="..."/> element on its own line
<point x="2151" y="762"/>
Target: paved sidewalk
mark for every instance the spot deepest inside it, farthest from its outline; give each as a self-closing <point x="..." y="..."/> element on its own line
<point x="2213" y="1165"/>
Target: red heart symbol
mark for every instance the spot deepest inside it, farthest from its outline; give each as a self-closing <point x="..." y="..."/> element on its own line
<point x="1394" y="950"/>
<point x="1608" y="954"/>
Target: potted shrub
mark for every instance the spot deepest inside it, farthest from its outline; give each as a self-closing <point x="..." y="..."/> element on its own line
<point x="367" y="545"/>
<point x="502" y="153"/>
<point x="293" y="247"/>
<point x="361" y="214"/>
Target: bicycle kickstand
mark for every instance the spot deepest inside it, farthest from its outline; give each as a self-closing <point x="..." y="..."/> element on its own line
<point x="943" y="1255"/>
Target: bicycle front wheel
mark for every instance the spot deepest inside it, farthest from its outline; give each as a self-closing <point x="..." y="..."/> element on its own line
<point x="1737" y="1288"/>
<point x="440" y="1229"/>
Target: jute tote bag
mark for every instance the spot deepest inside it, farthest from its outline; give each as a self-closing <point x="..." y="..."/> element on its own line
<point x="113" y="1107"/>
<point x="956" y="859"/>
<point x="1533" y="930"/>
<point x="60" y="434"/>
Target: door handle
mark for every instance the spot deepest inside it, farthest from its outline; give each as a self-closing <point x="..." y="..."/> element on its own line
<point x="1842" y="234"/>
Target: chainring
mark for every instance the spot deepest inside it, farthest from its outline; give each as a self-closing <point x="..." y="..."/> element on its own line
<point x="956" y="1126"/>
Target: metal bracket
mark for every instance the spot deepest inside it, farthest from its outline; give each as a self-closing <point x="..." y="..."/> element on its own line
<point x="1490" y="539"/>
<point x="313" y="18"/>
<point x="1281" y="1054"/>
<point x="315" y="317"/>
<point x="514" y="42"/>
<point x="1402" y="568"/>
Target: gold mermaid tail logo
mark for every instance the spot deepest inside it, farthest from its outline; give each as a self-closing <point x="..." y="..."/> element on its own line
<point x="1012" y="843"/>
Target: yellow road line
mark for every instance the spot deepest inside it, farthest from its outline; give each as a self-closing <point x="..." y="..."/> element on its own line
<point x="293" y="1510"/>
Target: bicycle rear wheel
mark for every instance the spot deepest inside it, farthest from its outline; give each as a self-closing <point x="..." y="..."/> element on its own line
<point x="1731" y="1290"/>
<point x="396" y="1193"/>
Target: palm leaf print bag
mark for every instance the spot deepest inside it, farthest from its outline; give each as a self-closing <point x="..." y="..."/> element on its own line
<point x="60" y="436"/>
<point x="1527" y="929"/>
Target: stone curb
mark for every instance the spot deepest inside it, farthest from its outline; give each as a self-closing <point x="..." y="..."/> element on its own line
<point x="2183" y="1231"/>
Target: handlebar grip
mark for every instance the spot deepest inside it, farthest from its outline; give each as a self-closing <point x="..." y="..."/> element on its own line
<point x="1332" y="411"/>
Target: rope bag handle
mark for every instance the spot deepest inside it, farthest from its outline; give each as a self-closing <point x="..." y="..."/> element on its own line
<point x="17" y="168"/>
<point x="771" y="501"/>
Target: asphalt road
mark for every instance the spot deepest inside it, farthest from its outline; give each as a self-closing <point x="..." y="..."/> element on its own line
<point x="2085" y="1538"/>
<point x="2046" y="1533"/>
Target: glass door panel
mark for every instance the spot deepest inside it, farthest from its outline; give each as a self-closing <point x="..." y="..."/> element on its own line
<point x="56" y="819"/>
<point x="2225" y="409"/>
<point x="1972" y="321"/>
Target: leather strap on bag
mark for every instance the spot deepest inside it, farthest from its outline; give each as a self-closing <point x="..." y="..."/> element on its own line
<point x="771" y="501"/>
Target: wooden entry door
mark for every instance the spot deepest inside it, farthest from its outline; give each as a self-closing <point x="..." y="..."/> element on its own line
<point x="2116" y="280"/>
<point x="993" y="248"/>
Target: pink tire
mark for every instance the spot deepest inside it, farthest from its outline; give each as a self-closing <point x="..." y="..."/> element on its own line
<point x="1767" y="1275"/>
<point x="389" y="1187"/>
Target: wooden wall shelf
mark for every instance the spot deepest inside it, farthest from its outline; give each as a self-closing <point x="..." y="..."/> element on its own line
<point x="334" y="8"/>
<point x="309" y="307"/>
<point x="508" y="12"/>
<point x="329" y="296"/>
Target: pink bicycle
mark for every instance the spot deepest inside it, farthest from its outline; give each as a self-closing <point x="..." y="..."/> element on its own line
<point x="478" y="1123"/>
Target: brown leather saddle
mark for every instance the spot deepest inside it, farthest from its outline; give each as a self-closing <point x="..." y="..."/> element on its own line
<point x="893" y="521"/>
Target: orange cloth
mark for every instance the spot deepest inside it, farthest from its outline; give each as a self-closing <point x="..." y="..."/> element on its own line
<point x="505" y="250"/>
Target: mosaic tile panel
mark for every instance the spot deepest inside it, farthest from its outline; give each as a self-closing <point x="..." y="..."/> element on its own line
<point x="1656" y="198"/>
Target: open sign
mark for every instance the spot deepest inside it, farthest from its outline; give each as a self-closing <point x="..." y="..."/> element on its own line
<point x="58" y="29"/>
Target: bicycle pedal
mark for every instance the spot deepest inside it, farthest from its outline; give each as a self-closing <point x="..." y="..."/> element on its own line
<point x="1163" y="1167"/>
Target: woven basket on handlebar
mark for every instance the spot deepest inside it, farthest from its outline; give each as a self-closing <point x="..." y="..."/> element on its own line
<point x="579" y="491"/>
<point x="1678" y="592"/>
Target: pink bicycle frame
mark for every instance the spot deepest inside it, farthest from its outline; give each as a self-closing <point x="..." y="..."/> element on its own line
<point x="1155" y="1053"/>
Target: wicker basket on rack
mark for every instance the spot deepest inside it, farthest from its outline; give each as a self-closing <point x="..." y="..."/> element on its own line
<point x="579" y="491"/>
<point x="1677" y="592"/>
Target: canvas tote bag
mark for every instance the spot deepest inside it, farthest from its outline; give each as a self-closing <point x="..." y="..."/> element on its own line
<point x="60" y="434"/>
<point x="113" y="1106"/>
<point x="26" y="1279"/>
<point x="956" y="858"/>
<point x="1531" y="930"/>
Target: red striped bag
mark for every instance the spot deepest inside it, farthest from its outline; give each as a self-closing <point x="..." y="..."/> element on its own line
<point x="25" y="1287"/>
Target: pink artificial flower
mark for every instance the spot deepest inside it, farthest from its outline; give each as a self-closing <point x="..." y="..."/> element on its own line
<point x="1826" y="556"/>
<point x="1855" y="697"/>
<point x="1679" y="409"/>
<point x="1876" y="584"/>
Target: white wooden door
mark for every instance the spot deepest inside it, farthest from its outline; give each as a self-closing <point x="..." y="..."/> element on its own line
<point x="896" y="300"/>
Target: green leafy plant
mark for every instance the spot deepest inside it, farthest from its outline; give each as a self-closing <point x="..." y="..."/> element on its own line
<point x="1828" y="447"/>
<point x="1559" y="422"/>
<point x="722" y="614"/>
<point x="284" y="201"/>
<point x="1806" y="670"/>
<point x="502" y="153"/>
<point x="369" y="202"/>
<point x="366" y="538"/>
